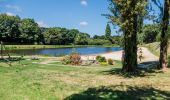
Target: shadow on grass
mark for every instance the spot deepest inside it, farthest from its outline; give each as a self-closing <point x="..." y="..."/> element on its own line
<point x="121" y="92"/>
<point x="144" y="69"/>
<point x="10" y="60"/>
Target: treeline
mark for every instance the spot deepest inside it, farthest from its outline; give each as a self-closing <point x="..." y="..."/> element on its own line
<point x="14" y="30"/>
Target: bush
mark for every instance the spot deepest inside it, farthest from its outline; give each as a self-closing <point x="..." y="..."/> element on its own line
<point x="101" y="59"/>
<point x="75" y="59"/>
<point x="110" y="61"/>
<point x="66" y="60"/>
<point x="98" y="57"/>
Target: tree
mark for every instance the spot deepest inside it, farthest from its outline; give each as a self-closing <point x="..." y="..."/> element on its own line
<point x="125" y="14"/>
<point x="163" y="60"/>
<point x="82" y="39"/>
<point x="30" y="31"/>
<point x="108" y="32"/>
<point x="9" y="28"/>
<point x="149" y="34"/>
<point x="53" y="36"/>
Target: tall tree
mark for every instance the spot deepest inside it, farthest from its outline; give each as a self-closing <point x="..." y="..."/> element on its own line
<point x="108" y="32"/>
<point x="30" y="31"/>
<point x="164" y="36"/>
<point x="125" y="13"/>
<point x="9" y="28"/>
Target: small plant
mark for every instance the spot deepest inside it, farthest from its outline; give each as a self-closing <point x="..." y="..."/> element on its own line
<point x="110" y="61"/>
<point x="101" y="59"/>
<point x="66" y="60"/>
<point x="75" y="59"/>
<point x="98" y="57"/>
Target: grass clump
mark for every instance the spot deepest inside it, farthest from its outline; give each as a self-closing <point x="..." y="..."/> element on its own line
<point x="110" y="61"/>
<point x="101" y="59"/>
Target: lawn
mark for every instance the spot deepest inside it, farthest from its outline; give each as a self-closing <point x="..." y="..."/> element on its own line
<point x="31" y="80"/>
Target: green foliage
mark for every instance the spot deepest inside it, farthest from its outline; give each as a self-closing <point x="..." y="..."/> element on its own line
<point x="82" y="39"/>
<point x="110" y="61"/>
<point x="66" y="60"/>
<point x="30" y="31"/>
<point x="99" y="42"/>
<point x="9" y="28"/>
<point x="63" y="36"/>
<point x="14" y="30"/>
<point x="27" y="31"/>
<point x="126" y="14"/>
<point x="150" y="33"/>
<point x="100" y="59"/>
<point x="108" y="32"/>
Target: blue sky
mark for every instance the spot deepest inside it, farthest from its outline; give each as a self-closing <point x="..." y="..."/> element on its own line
<point x="84" y="15"/>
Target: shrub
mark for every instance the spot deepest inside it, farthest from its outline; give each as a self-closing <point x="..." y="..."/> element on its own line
<point x="66" y="60"/>
<point x="110" y="61"/>
<point x="98" y="57"/>
<point x="101" y="59"/>
<point x="75" y="59"/>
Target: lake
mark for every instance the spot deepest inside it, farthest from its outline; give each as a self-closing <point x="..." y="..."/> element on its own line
<point x="66" y="51"/>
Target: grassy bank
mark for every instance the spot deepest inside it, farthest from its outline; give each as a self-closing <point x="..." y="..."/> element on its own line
<point x="155" y="48"/>
<point x="32" y="80"/>
<point x="18" y="47"/>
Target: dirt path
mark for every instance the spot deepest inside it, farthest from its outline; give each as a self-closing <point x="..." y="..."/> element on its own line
<point x="50" y="60"/>
<point x="147" y="56"/>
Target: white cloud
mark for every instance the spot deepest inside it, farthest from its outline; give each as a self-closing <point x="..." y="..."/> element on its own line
<point x="83" y="23"/>
<point x="10" y="14"/>
<point x="42" y="24"/>
<point x="17" y="8"/>
<point x="84" y="2"/>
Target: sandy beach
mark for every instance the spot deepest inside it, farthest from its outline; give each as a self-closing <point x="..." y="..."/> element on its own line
<point x="147" y="55"/>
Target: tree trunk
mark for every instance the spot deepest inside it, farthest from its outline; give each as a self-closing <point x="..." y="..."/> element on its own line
<point x="130" y="41"/>
<point x="130" y="48"/>
<point x="163" y="60"/>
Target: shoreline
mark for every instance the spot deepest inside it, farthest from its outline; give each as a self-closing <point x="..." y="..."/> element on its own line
<point x="148" y="56"/>
<point x="29" y="47"/>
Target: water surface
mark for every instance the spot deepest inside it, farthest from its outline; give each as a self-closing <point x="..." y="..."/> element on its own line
<point x="67" y="51"/>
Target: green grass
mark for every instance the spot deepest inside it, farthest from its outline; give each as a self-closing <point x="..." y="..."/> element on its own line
<point x="155" y="48"/>
<point x="33" y="81"/>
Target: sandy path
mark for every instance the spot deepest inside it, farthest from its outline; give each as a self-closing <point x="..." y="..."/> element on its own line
<point x="148" y="56"/>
